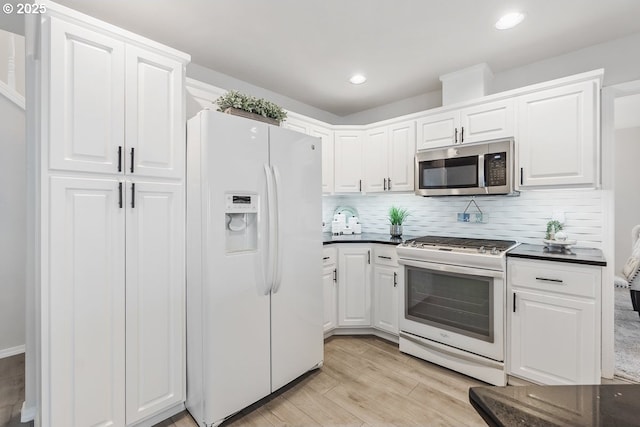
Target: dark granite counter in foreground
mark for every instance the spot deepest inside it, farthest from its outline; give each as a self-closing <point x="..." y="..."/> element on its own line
<point x="533" y="406"/>
<point x="328" y="238"/>
<point x="588" y="256"/>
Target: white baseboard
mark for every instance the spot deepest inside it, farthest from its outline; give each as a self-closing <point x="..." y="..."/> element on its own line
<point x="12" y="351"/>
<point x="27" y="414"/>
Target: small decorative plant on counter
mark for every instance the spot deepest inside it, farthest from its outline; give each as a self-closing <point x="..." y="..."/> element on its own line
<point x="552" y="228"/>
<point x="396" y="218"/>
<point x="239" y="104"/>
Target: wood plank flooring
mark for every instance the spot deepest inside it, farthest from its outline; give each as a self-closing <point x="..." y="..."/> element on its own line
<point x="365" y="381"/>
<point x="11" y="390"/>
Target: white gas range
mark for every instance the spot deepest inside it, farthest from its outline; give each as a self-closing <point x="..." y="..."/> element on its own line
<point x="452" y="303"/>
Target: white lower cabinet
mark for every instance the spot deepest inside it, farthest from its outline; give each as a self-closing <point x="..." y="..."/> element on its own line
<point x="155" y="304"/>
<point x="330" y="288"/>
<point x="385" y="296"/>
<point x="84" y="304"/>
<point x="116" y="300"/>
<point x="385" y="288"/>
<point x="554" y="323"/>
<point x="354" y="285"/>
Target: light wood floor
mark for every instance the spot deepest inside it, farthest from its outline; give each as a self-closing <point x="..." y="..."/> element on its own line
<point x="365" y="381"/>
<point x="11" y="390"/>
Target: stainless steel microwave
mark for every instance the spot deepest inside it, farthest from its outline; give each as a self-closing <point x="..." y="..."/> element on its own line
<point x="481" y="168"/>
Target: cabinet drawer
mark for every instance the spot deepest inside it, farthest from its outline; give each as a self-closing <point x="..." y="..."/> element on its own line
<point x="329" y="256"/>
<point x="385" y="255"/>
<point x="558" y="277"/>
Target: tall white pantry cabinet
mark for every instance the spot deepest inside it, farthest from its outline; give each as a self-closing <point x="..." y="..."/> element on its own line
<point x="107" y="147"/>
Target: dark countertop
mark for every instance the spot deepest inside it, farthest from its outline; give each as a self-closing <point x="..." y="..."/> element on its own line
<point x="582" y="405"/>
<point x="364" y="238"/>
<point x="588" y="256"/>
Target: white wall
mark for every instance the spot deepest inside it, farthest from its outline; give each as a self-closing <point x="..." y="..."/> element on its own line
<point x="627" y="192"/>
<point x="18" y="46"/>
<point x="12" y="225"/>
<point x="521" y="218"/>
<point x="224" y="81"/>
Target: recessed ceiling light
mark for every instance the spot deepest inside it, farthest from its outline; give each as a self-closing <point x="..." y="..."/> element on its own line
<point x="358" y="79"/>
<point x="509" y="20"/>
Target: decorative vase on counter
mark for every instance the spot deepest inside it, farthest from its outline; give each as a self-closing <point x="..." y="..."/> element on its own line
<point x="395" y="230"/>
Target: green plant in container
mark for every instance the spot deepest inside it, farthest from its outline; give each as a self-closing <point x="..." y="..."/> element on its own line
<point x="396" y="218"/>
<point x="234" y="101"/>
<point x="552" y="228"/>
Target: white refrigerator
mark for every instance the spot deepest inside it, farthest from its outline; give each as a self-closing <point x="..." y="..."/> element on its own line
<point x="254" y="262"/>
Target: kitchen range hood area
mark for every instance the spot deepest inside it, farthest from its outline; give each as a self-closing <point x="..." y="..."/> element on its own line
<point x="192" y="267"/>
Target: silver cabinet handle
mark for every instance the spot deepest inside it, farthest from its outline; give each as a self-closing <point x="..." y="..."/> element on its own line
<point x="384" y="184"/>
<point x="368" y="257"/>
<point x="544" y="279"/>
<point x="395" y="279"/>
<point x="360" y="185"/>
<point x="389" y="184"/>
<point x="384" y="257"/>
<point x="455" y="139"/>
<point x="335" y="275"/>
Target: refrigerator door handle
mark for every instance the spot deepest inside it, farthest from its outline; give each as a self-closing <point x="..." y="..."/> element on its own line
<point x="278" y="229"/>
<point x="270" y="252"/>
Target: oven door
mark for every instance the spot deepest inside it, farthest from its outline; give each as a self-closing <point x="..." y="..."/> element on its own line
<point x="458" y="306"/>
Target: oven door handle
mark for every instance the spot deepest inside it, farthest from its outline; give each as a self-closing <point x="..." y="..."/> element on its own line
<point x="449" y="268"/>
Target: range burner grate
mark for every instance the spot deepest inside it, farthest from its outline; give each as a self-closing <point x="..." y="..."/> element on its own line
<point x="463" y="242"/>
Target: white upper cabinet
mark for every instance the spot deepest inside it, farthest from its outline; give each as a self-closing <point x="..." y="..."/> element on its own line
<point x="388" y="158"/>
<point x="437" y="130"/>
<point x="99" y="81"/>
<point x="401" y="152"/>
<point x="375" y="160"/>
<point x="348" y="161"/>
<point x="487" y="121"/>
<point x="558" y="135"/>
<point x="327" y="156"/>
<point x="86" y="100"/>
<point x="326" y="135"/>
<point x="155" y="127"/>
<point x="482" y="122"/>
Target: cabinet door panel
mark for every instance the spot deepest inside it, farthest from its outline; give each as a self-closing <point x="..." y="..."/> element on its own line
<point x="553" y="340"/>
<point x="557" y="135"/>
<point x="438" y="130"/>
<point x="354" y="287"/>
<point x="401" y="152"/>
<point x="487" y="121"/>
<point x="155" y="126"/>
<point x="330" y="298"/>
<point x="348" y="161"/>
<point x="375" y="160"/>
<point x="86" y="103"/>
<point x="84" y="305"/>
<point x="327" y="157"/>
<point x="386" y="298"/>
<point x="155" y="298"/>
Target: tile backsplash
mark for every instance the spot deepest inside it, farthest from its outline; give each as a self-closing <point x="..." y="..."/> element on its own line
<point x="522" y="218"/>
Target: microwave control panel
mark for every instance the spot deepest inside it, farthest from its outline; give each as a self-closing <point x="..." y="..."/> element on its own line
<point x="495" y="169"/>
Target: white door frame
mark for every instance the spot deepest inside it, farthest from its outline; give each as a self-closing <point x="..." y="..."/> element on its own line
<point x="609" y="95"/>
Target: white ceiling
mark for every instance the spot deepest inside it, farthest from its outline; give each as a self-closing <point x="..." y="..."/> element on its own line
<point x="307" y="49"/>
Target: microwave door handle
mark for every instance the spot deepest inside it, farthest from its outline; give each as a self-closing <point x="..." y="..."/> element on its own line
<point x="481" y="180"/>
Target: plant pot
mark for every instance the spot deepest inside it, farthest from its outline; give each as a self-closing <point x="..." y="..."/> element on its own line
<point x="253" y="116"/>
<point x="395" y="230"/>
